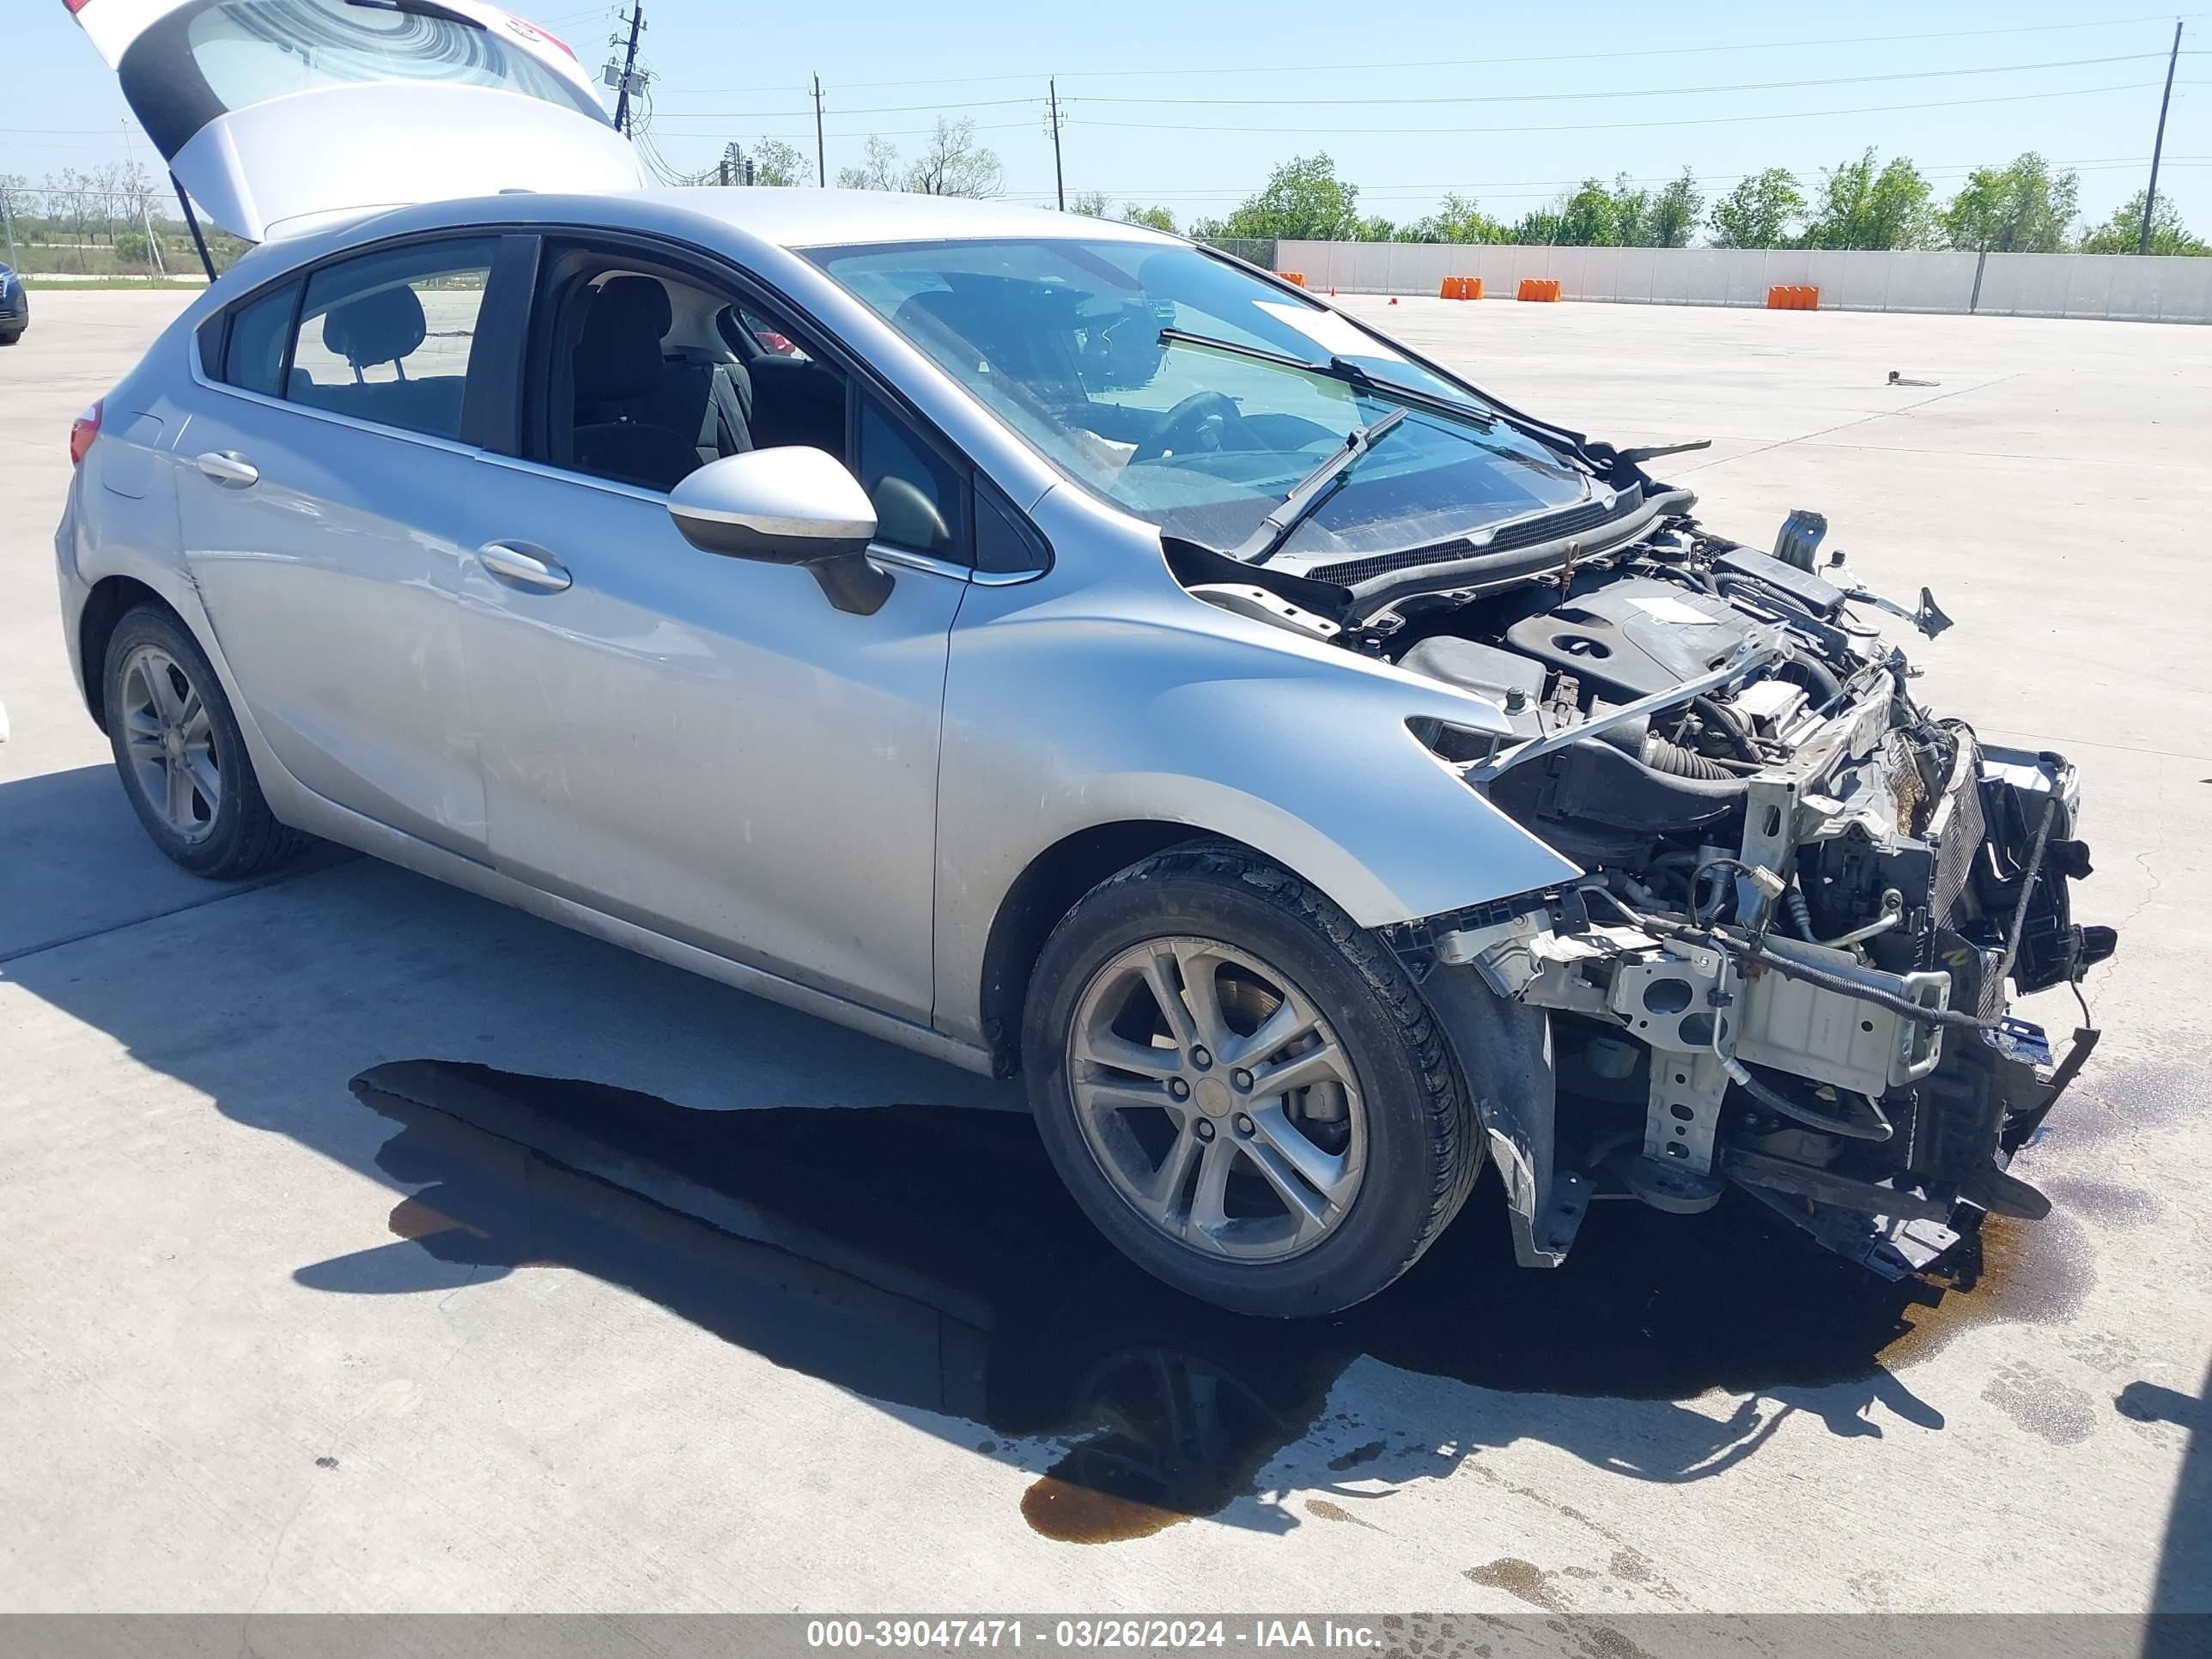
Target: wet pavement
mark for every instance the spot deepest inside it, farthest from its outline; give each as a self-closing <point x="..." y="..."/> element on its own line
<point x="925" y="1257"/>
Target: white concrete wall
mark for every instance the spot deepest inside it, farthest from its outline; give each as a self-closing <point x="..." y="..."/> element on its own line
<point x="2120" y="286"/>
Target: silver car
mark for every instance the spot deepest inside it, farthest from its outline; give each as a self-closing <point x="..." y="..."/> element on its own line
<point x="1056" y="648"/>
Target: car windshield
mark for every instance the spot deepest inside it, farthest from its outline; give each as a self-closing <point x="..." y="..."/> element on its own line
<point x="1156" y="376"/>
<point x="246" y="53"/>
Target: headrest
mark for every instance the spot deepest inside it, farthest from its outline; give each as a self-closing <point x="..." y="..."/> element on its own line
<point x="649" y="295"/>
<point x="619" y="355"/>
<point x="380" y="327"/>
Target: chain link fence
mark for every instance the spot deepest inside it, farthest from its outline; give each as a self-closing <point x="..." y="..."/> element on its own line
<point x="115" y="225"/>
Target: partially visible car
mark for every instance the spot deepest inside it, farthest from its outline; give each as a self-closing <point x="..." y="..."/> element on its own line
<point x="15" y="306"/>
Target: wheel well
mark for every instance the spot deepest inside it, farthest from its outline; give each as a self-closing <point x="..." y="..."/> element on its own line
<point x="112" y="598"/>
<point x="1042" y="894"/>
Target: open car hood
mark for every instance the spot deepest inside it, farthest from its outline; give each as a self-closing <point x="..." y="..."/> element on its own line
<point x="279" y="115"/>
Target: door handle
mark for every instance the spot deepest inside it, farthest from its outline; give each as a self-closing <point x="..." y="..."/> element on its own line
<point x="229" y="468"/>
<point x="523" y="565"/>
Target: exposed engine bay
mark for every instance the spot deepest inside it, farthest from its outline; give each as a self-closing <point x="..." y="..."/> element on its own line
<point x="1807" y="897"/>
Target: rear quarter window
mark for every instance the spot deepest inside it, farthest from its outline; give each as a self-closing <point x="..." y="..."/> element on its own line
<point x="254" y="343"/>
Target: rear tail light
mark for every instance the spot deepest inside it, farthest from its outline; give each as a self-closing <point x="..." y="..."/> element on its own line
<point x="82" y="431"/>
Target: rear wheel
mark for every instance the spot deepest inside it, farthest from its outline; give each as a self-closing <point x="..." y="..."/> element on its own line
<point x="180" y="755"/>
<point x="1241" y="1088"/>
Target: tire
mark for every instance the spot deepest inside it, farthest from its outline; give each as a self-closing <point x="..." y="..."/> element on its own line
<point x="240" y="836"/>
<point x="10" y="339"/>
<point x="1399" y="1162"/>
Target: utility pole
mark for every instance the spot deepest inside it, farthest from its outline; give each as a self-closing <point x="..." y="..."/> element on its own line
<point x="821" y="155"/>
<point x="2150" y="196"/>
<point x="1058" y="181"/>
<point x="7" y="218"/>
<point x="629" y="66"/>
<point x="160" y="270"/>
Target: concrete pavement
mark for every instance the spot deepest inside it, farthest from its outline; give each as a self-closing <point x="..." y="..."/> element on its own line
<point x="279" y="1330"/>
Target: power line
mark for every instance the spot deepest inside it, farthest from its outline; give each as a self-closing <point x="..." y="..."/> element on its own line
<point x="1475" y="98"/>
<point x="886" y="109"/>
<point x="1309" y="129"/>
<point x="1577" y="56"/>
<point x="724" y="124"/>
<point x="1664" y="92"/>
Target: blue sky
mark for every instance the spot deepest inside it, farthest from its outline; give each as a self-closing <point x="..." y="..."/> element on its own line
<point x="1163" y="103"/>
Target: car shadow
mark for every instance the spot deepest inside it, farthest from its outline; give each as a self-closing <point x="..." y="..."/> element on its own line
<point x="2181" y="1600"/>
<point x="926" y="1259"/>
<point x="885" y="1223"/>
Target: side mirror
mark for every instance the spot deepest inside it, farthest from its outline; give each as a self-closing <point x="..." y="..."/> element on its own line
<point x="791" y="505"/>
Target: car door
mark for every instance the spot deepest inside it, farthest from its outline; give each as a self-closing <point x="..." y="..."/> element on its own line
<point x="701" y="744"/>
<point x="323" y="489"/>
<point x="278" y="115"/>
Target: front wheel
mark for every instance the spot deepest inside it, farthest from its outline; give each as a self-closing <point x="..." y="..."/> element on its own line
<point x="1243" y="1088"/>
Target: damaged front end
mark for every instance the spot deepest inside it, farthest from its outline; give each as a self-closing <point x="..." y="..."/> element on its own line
<point x="1806" y="901"/>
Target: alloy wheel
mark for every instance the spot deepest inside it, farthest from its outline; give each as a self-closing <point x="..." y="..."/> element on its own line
<point x="1217" y="1099"/>
<point x="170" y="743"/>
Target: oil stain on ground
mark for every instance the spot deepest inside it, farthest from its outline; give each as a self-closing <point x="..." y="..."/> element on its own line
<point x="926" y="1256"/>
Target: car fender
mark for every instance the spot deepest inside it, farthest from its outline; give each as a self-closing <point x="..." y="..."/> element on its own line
<point x="1073" y="704"/>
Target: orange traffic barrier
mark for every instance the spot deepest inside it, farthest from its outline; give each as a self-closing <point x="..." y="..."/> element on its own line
<point x="1298" y="277"/>
<point x="1793" y="297"/>
<point x="1539" y="287"/>
<point x="1462" y="287"/>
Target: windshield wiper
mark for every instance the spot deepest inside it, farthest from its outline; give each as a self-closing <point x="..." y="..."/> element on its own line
<point x="1337" y="368"/>
<point x="1307" y="494"/>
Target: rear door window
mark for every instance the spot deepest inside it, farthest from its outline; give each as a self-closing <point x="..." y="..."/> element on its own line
<point x="388" y="336"/>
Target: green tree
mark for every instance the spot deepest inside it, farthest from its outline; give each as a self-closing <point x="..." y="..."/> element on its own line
<point x="2122" y="233"/>
<point x="1620" y="214"/>
<point x="2021" y="208"/>
<point x="1860" y="207"/>
<point x="1457" y="219"/>
<point x="1302" y="198"/>
<point x="1672" y="216"/>
<point x="1591" y="216"/>
<point x="1090" y="203"/>
<point x="777" y="163"/>
<point x="1538" y="227"/>
<point x="1760" y="211"/>
<point x="1155" y="218"/>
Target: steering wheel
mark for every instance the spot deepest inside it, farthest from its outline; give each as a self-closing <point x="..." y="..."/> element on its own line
<point x="1199" y="422"/>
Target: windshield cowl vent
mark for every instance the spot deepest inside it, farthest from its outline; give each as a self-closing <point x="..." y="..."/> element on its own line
<point x="1519" y="532"/>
